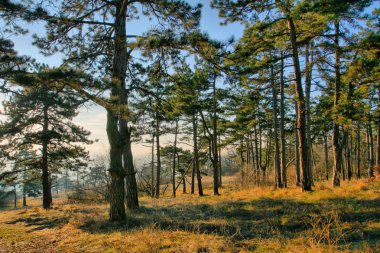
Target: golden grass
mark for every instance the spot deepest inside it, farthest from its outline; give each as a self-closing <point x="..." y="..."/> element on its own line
<point x="254" y="219"/>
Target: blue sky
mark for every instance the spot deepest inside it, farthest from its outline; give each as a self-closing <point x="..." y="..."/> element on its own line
<point x="94" y="118"/>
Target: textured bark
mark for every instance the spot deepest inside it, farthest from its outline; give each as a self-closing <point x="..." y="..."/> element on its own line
<point x="305" y="169"/>
<point x="131" y="185"/>
<point x="297" y="154"/>
<point x="117" y="173"/>
<point x="348" y="156"/>
<point x="196" y="155"/>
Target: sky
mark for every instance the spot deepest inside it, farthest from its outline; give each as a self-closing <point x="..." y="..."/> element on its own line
<point x="93" y="118"/>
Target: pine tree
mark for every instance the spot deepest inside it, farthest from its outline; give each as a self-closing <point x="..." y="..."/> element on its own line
<point x="41" y="116"/>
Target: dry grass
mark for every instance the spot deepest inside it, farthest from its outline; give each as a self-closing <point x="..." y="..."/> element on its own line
<point x="345" y="219"/>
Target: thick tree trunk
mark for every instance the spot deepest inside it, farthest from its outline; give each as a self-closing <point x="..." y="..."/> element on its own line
<point x="277" y="169"/>
<point x="117" y="172"/>
<point x="196" y="155"/>
<point x="131" y="184"/>
<point x="174" y="158"/>
<point x="282" y="123"/>
<point x="304" y="151"/>
<point x="46" y="182"/>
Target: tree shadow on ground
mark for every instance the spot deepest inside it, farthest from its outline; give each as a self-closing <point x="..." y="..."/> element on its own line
<point x="262" y="218"/>
<point x="40" y="223"/>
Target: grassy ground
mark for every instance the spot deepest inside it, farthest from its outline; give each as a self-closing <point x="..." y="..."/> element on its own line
<point x="345" y="219"/>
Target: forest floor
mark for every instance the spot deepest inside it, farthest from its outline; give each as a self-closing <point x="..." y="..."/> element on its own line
<point x="258" y="219"/>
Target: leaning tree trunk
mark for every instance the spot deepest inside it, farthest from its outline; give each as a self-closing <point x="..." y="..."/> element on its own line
<point x="306" y="174"/>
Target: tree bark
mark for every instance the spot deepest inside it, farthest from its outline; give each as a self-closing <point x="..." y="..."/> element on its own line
<point x="215" y="160"/>
<point x="158" y="153"/>
<point x="326" y="157"/>
<point x="337" y="147"/>
<point x="282" y="123"/>
<point x="46" y="182"/>
<point x="277" y="169"/>
<point x="358" y="151"/>
<point x="174" y="158"/>
<point x="196" y="155"/>
<point x="370" y="145"/>
<point x="117" y="173"/>
<point x="152" y="168"/>
<point x="306" y="174"/>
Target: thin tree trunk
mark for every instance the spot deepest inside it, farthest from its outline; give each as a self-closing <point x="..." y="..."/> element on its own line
<point x="348" y="157"/>
<point x="370" y="145"/>
<point x="358" y="150"/>
<point x="282" y="123"/>
<point x="257" y="174"/>
<point x="326" y="157"/>
<point x="378" y="131"/>
<point x="215" y="140"/>
<point x="196" y="155"/>
<point x="297" y="155"/>
<point x="14" y="196"/>
<point x="220" y="161"/>
<point x="174" y="158"/>
<point x="158" y="153"/>
<point x="277" y="169"/>
<point x="152" y="168"/>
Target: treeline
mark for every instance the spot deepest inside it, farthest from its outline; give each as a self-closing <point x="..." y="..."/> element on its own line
<point x="303" y="75"/>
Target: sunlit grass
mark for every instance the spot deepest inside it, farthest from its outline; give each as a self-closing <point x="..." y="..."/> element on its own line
<point x="260" y="219"/>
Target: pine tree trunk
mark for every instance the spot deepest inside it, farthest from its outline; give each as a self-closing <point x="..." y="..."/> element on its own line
<point x="219" y="162"/>
<point x="358" y="151"/>
<point x="215" y="160"/>
<point x="370" y="145"/>
<point x="308" y="77"/>
<point x="152" y="168"/>
<point x="326" y="157"/>
<point x="196" y="155"/>
<point x="158" y="153"/>
<point x="282" y="123"/>
<point x="257" y="174"/>
<point x="297" y="154"/>
<point x="348" y="156"/>
<point x="117" y="173"/>
<point x="337" y="147"/>
<point x="131" y="184"/>
<point x="277" y="169"/>
<point x="46" y="182"/>
<point x="174" y="158"/>
<point x="378" y="132"/>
